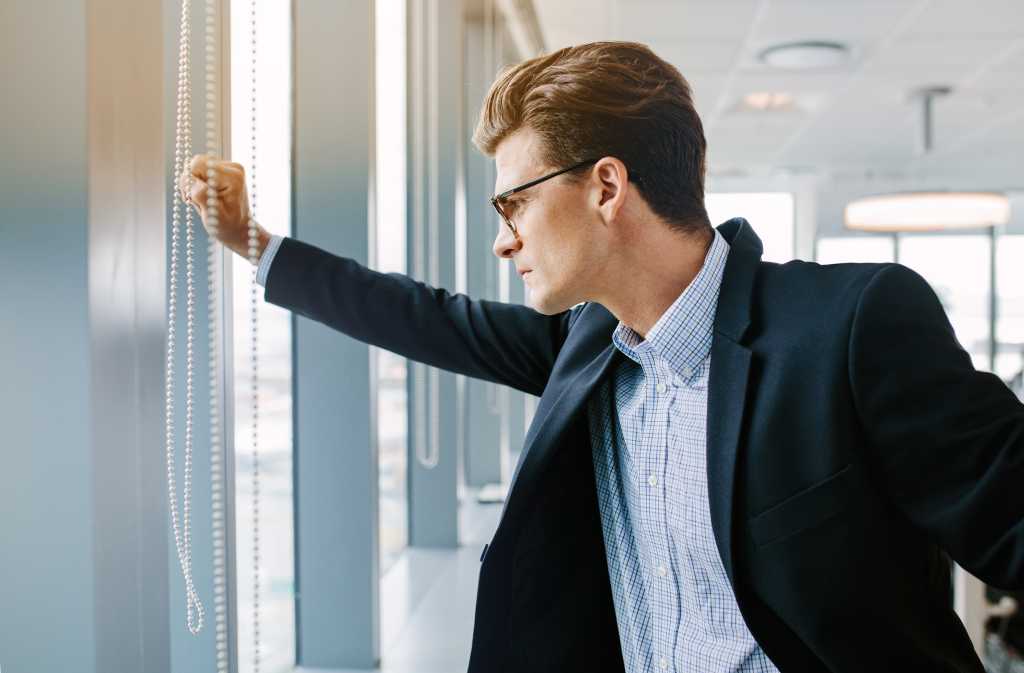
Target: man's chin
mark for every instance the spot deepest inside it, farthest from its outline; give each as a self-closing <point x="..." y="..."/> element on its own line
<point x="547" y="305"/>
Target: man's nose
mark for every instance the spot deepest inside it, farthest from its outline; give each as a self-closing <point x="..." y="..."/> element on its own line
<point x="505" y="243"/>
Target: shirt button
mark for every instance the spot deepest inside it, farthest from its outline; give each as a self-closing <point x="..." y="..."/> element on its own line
<point x="687" y="372"/>
<point x="663" y="663"/>
<point x="652" y="480"/>
<point x="662" y="388"/>
<point x="662" y="570"/>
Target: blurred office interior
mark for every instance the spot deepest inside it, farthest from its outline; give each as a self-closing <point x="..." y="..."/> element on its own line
<point x="381" y="479"/>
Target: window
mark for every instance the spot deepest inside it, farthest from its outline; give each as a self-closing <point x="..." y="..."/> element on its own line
<point x="958" y="269"/>
<point x="1010" y="311"/>
<point x="769" y="213"/>
<point x="855" y="249"/>
<point x="392" y="397"/>
<point x="276" y="513"/>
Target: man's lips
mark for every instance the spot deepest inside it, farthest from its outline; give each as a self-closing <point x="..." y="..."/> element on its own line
<point x="523" y="272"/>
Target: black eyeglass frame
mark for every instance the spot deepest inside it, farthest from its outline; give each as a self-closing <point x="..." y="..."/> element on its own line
<point x="498" y="198"/>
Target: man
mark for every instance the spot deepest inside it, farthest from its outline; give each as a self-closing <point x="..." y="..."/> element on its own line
<point x="734" y="465"/>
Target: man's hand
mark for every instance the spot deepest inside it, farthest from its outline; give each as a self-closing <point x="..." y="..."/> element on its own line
<point x="232" y="202"/>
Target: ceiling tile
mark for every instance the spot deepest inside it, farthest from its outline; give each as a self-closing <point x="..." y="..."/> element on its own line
<point x="732" y="146"/>
<point x="830" y="20"/>
<point x="789" y="81"/>
<point x="938" y="54"/>
<point x="978" y="17"/>
<point x="871" y="133"/>
<point x="1005" y="74"/>
<point x="645" y="20"/>
<point x="778" y="125"/>
<point x="706" y="88"/>
<point x="568" y="22"/>
<point x="997" y="83"/>
<point x="692" y="55"/>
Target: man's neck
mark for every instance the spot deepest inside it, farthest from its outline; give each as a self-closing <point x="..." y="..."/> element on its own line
<point x="653" y="273"/>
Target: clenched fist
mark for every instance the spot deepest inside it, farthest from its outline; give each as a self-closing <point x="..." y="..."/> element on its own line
<point x="232" y="202"/>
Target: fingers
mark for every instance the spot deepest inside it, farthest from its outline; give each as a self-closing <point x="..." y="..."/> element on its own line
<point x="193" y="185"/>
<point x="201" y="163"/>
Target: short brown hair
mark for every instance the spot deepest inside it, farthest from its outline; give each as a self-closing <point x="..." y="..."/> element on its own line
<point x="608" y="99"/>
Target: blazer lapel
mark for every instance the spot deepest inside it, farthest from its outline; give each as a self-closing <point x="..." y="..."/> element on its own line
<point x="565" y="399"/>
<point x="727" y="392"/>
<point x="729" y="378"/>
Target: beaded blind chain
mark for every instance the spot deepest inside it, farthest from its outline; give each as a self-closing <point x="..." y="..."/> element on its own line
<point x="183" y="152"/>
<point x="254" y="258"/>
<point x="215" y="255"/>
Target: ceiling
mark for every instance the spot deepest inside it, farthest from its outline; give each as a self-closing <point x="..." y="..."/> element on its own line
<point x="853" y="123"/>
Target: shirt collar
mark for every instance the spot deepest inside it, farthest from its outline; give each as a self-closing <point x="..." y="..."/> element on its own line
<point x="682" y="335"/>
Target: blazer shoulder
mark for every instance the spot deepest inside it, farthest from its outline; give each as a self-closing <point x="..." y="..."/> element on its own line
<point x="818" y="282"/>
<point x="809" y="303"/>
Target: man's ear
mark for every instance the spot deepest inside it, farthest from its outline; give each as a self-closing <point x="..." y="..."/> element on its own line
<point x="610" y="179"/>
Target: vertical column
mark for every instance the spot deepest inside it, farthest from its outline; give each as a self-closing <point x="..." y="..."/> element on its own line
<point x="993" y="297"/>
<point x="483" y="410"/>
<point x="805" y="216"/>
<point x="82" y="195"/>
<point x="435" y="105"/>
<point x="336" y="510"/>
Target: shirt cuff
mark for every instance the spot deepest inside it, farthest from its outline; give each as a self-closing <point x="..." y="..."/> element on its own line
<point x="266" y="259"/>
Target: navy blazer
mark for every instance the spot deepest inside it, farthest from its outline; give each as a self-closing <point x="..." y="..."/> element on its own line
<point x="852" y="449"/>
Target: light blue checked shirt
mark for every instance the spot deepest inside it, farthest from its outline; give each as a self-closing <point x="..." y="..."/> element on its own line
<point x="266" y="259"/>
<point x="675" y="607"/>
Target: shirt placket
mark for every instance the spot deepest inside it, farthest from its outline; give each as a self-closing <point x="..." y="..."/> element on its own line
<point x="664" y="594"/>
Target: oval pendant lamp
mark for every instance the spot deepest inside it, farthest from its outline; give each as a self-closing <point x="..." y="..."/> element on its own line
<point x="927" y="210"/>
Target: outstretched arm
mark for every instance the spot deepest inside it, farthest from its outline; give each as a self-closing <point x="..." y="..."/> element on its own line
<point x="505" y="343"/>
<point x="949" y="439"/>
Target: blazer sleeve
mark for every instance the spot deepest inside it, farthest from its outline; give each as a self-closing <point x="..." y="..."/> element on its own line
<point x="505" y="343"/>
<point x="949" y="439"/>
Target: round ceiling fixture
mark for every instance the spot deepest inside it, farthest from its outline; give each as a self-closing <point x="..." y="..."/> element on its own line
<point x="927" y="211"/>
<point x="767" y="100"/>
<point x="805" y="55"/>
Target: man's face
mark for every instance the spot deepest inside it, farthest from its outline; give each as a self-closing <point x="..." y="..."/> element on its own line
<point x="559" y="244"/>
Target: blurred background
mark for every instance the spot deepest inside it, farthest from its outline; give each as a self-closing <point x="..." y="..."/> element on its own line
<point x="842" y="130"/>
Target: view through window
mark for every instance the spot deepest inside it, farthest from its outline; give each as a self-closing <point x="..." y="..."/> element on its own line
<point x="770" y="214"/>
<point x="273" y="171"/>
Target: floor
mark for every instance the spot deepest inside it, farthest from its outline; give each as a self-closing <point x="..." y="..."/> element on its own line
<point x="428" y="598"/>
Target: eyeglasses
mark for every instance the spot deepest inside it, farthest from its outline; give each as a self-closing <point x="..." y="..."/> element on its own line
<point x="498" y="199"/>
